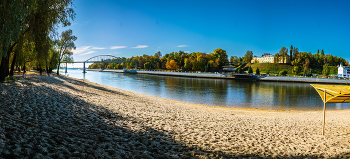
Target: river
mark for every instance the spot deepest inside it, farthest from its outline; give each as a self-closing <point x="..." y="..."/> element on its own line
<point x="215" y="92"/>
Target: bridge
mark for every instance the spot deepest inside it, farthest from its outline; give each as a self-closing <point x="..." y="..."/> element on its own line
<point x="103" y="59"/>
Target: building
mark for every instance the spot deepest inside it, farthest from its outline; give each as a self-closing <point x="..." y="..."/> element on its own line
<point x="343" y="71"/>
<point x="268" y="58"/>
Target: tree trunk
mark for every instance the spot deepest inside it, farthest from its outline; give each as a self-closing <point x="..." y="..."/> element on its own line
<point x="40" y="70"/>
<point x="24" y="68"/>
<point x="13" y="63"/>
<point x="58" y="69"/>
<point x="47" y="70"/>
<point x="4" y="68"/>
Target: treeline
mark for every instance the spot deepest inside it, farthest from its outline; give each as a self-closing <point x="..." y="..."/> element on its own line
<point x="29" y="37"/>
<point x="303" y="60"/>
<point x="196" y="61"/>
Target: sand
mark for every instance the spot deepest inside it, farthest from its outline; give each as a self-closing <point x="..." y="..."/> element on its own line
<point x="55" y="117"/>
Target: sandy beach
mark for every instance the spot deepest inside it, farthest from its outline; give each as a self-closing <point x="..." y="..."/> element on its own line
<point x="56" y="117"/>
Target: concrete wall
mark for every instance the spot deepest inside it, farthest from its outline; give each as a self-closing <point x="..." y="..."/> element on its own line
<point x="227" y="76"/>
<point x="303" y="79"/>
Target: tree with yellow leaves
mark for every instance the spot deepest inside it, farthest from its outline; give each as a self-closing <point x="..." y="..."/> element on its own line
<point x="172" y="65"/>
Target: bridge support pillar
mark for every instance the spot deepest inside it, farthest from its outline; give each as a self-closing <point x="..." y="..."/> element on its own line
<point x="66" y="69"/>
<point x="84" y="69"/>
<point x="124" y="66"/>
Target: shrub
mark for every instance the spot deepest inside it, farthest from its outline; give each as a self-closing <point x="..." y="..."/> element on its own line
<point x="283" y="72"/>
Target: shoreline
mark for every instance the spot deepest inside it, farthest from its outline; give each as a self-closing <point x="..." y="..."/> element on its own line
<point x="235" y="76"/>
<point x="212" y="106"/>
<point x="56" y="118"/>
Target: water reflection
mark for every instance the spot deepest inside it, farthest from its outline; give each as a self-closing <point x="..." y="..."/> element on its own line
<point x="216" y="92"/>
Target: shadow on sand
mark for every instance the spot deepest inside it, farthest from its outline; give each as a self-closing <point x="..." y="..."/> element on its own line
<point x="64" y="126"/>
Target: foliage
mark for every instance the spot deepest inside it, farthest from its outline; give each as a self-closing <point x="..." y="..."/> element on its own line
<point x="248" y="56"/>
<point x="296" y="69"/>
<point x="147" y="65"/>
<point x="27" y="30"/>
<point x="325" y="70"/>
<point x="257" y="71"/>
<point x="65" y="45"/>
<point x="307" y="72"/>
<point x="283" y="53"/>
<point x="283" y="72"/>
<point x="212" y="62"/>
<point x="172" y="65"/>
<point x="250" y="70"/>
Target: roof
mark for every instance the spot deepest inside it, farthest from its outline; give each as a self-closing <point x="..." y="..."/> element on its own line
<point x="334" y="93"/>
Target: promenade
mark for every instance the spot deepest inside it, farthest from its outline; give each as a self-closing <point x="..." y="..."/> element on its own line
<point x="62" y="117"/>
<point x="234" y="76"/>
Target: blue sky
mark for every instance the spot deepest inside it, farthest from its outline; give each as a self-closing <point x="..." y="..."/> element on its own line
<point x="126" y="28"/>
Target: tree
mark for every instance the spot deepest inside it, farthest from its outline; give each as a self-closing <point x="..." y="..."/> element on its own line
<point x="158" y="54"/>
<point x="322" y="58"/>
<point x="325" y="70"/>
<point x="296" y="69"/>
<point x="248" y="56"/>
<point x="277" y="58"/>
<point x="221" y="55"/>
<point x="291" y="53"/>
<point x="147" y="65"/>
<point x="187" y="65"/>
<point x="65" y="45"/>
<point x="172" y="65"/>
<point x="257" y="71"/>
<point x="32" y="20"/>
<point x="283" y="53"/>
<point x="239" y="70"/>
<point x="250" y="70"/>
<point x="233" y="59"/>
<point x="295" y="52"/>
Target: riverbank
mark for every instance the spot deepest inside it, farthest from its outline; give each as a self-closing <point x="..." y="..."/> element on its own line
<point x="57" y="117"/>
<point x="233" y="76"/>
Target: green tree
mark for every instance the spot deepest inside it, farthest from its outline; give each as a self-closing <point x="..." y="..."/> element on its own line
<point x="283" y="53"/>
<point x="158" y="54"/>
<point x="296" y="69"/>
<point x="147" y="65"/>
<point x="325" y="70"/>
<point x="221" y="55"/>
<point x="277" y="58"/>
<point x="250" y="70"/>
<point x="187" y="65"/>
<point x="257" y="71"/>
<point x="34" y="21"/>
<point x="291" y="53"/>
<point x="239" y="70"/>
<point x="65" y="45"/>
<point x="322" y="58"/>
<point x="248" y="56"/>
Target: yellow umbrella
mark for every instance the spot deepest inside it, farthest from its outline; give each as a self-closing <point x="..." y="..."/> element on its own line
<point x="332" y="94"/>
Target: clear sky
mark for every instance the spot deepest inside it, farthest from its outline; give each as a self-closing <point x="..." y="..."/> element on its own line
<point x="126" y="28"/>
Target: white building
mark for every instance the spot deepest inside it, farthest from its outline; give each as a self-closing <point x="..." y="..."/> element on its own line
<point x="343" y="71"/>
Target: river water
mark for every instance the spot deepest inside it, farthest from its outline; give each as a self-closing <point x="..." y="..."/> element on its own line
<point x="215" y="92"/>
